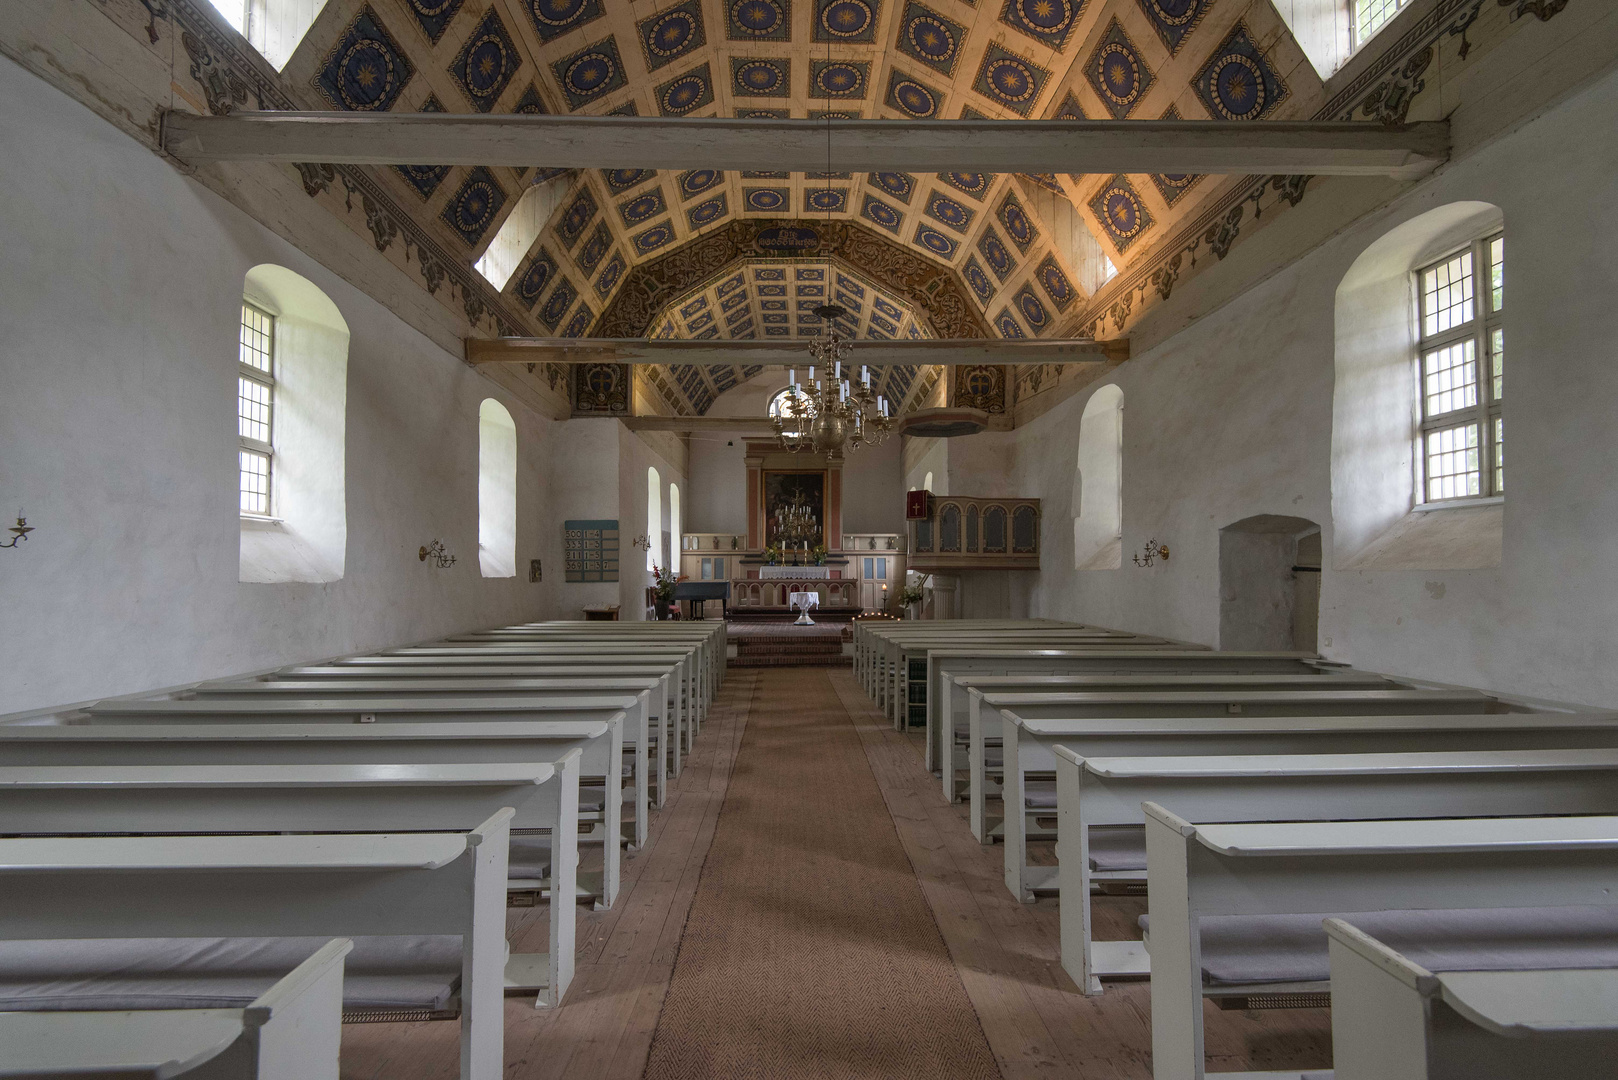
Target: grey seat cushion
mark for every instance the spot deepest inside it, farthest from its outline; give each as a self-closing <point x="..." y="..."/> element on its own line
<point x="530" y="858"/>
<point x="218" y="973"/>
<point x="1118" y="849"/>
<point x="1039" y="795"/>
<point x="1242" y="950"/>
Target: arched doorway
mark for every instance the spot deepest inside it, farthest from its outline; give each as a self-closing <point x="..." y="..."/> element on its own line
<point x="1269" y="583"/>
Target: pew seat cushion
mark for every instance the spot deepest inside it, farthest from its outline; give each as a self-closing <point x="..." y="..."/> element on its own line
<point x="530" y="858"/>
<point x="1039" y="796"/>
<point x="1244" y="950"/>
<point x="1118" y="849"/>
<point x="219" y="973"/>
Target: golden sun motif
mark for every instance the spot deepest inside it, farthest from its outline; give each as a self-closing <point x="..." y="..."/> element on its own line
<point x="1239" y="88"/>
<point x="486" y="66"/>
<point x="1044" y="8"/>
<point x="366" y="76"/>
<point x="1117" y="73"/>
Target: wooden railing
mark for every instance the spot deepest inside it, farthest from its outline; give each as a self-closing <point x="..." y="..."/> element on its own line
<point x="963" y="532"/>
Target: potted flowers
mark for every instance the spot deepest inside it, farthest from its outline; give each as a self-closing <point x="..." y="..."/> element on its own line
<point x="819" y="554"/>
<point x="772" y="555"/>
<point x="663" y="581"/>
<point x="910" y="598"/>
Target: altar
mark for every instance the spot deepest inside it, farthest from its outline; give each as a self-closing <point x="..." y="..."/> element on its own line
<point x="797" y="573"/>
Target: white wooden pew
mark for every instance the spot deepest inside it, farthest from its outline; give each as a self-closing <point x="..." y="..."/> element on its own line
<point x="448" y="656"/>
<point x="679" y="704"/>
<point x="1099" y="802"/>
<point x="418" y="884"/>
<point x="686" y="658"/>
<point x="425" y="710"/>
<point x="956" y="771"/>
<point x="710" y="638"/>
<point x="459" y="688"/>
<point x="903" y="689"/>
<point x="599" y="743"/>
<point x="990" y="714"/>
<point x="290" y="1032"/>
<point x="944" y="666"/>
<point x="324" y="798"/>
<point x="1232" y="900"/>
<point x="1392" y="1019"/>
<point x="869" y="635"/>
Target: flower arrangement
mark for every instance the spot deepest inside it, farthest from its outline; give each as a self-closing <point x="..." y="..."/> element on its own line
<point x="910" y="594"/>
<point x="772" y="554"/>
<point x="818" y="553"/>
<point x="663" y="581"/>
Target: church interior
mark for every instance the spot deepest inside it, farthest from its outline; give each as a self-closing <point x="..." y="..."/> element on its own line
<point x="730" y="494"/>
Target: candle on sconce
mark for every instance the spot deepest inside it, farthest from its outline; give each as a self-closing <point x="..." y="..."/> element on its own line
<point x="865" y="375"/>
<point x="792" y="376"/>
<point x="811" y="373"/>
<point x="837" y="370"/>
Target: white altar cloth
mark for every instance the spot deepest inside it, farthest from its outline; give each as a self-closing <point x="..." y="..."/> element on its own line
<point x="801" y="573"/>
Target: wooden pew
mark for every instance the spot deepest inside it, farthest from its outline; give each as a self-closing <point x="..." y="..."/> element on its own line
<point x="1392" y="1019"/>
<point x="903" y="688"/>
<point x="956" y="774"/>
<point x="290" y="1032"/>
<point x="869" y="635"/>
<point x="680" y="704"/>
<point x="1100" y="799"/>
<point x="689" y="656"/>
<point x="323" y="798"/>
<point x="1263" y="884"/>
<point x="944" y="666"/>
<point x="424" y="710"/>
<point x="599" y="743"/>
<point x="390" y="686"/>
<point x="710" y="637"/>
<point x="1031" y="751"/>
<point x="515" y="656"/>
<point x="279" y="886"/>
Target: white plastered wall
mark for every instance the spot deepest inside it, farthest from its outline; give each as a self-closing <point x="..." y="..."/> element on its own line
<point x="120" y="292"/>
<point x="1233" y="417"/>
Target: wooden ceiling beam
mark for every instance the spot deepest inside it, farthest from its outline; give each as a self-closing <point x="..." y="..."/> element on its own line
<point x="1102" y="147"/>
<point x="789" y="353"/>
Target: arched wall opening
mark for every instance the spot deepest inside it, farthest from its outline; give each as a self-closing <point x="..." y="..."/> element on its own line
<point x="1098" y="483"/>
<point x="497" y="491"/>
<point x="654" y="518"/>
<point x="674" y="543"/>
<point x="1269" y="583"/>
<point x="304" y="536"/>
<point x="1377" y="523"/>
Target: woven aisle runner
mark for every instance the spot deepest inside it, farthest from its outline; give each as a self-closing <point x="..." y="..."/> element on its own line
<point x="810" y="950"/>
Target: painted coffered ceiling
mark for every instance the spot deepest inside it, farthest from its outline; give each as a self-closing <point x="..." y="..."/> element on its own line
<point x="1025" y="252"/>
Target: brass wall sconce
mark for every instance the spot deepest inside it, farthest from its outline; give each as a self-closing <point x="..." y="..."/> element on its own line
<point x="442" y="559"/>
<point x="1154" y="551"/>
<point x="19" y="532"/>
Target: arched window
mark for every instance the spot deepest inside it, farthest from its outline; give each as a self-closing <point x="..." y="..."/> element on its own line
<point x="675" y="542"/>
<point x="291" y="398"/>
<point x="654" y="518"/>
<point x="497" y="490"/>
<point x="778" y="406"/>
<point x="927" y="482"/>
<point x="1417" y="432"/>
<point x="1098" y="483"/>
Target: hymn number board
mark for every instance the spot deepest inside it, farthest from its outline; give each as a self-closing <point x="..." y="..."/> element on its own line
<point x="591" y="550"/>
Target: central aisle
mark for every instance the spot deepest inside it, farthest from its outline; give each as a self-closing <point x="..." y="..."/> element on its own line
<point x="809" y="949"/>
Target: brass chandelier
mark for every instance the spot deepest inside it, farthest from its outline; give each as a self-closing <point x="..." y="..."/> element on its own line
<point x="832" y="414"/>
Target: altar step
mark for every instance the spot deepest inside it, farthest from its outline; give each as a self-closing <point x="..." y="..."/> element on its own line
<point x="789" y="650"/>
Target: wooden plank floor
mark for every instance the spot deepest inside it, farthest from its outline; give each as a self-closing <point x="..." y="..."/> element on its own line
<point x="1036" y="1022"/>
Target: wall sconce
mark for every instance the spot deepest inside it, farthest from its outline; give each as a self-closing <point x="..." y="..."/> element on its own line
<point x="19" y="532"/>
<point x="442" y="559"/>
<point x="1153" y="551"/>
